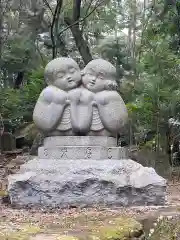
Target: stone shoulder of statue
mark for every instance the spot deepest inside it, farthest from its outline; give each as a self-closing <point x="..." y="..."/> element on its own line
<point x="52" y="94"/>
<point x="62" y="75"/>
<point x="99" y="76"/>
<point x="106" y="96"/>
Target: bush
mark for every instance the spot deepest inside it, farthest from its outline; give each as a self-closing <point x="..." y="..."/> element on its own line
<point x="16" y="105"/>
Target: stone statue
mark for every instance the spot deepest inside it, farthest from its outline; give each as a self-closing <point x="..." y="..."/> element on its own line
<point x="52" y="111"/>
<point x="90" y="106"/>
<point x="109" y="111"/>
<point x="79" y="163"/>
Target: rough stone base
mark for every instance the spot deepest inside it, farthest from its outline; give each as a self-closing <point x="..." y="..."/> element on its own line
<point x="83" y="183"/>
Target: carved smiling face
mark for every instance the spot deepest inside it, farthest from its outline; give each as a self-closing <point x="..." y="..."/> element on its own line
<point x="63" y="73"/>
<point x="98" y="75"/>
<point x="92" y="80"/>
<point x="67" y="77"/>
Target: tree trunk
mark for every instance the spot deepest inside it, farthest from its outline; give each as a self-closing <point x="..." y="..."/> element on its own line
<point x="1" y="29"/>
<point x="132" y="33"/>
<point x="1" y="132"/>
<point x="81" y="44"/>
<point x="73" y="24"/>
<point x="19" y="80"/>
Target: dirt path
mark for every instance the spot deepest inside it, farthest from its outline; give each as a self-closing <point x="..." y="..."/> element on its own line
<point x="75" y="221"/>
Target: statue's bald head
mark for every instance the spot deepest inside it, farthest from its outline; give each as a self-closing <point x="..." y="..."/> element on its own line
<point x="63" y="72"/>
<point x="57" y="65"/>
<point x="101" y="65"/>
<point x="99" y="75"/>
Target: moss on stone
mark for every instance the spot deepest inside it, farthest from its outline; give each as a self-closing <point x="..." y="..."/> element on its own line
<point x="67" y="237"/>
<point x="118" y="228"/>
<point x="23" y="234"/>
<point x="110" y="228"/>
<point x="3" y="193"/>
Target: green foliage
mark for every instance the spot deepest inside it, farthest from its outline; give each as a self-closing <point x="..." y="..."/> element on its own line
<point x="166" y="228"/>
<point x="19" y="54"/>
<point x="17" y="105"/>
<point x="115" y="50"/>
<point x="9" y="106"/>
<point x="154" y="96"/>
<point x="30" y="93"/>
<point x="151" y="87"/>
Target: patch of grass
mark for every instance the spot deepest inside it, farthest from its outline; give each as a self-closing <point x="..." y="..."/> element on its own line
<point x="118" y="228"/>
<point x="66" y="237"/>
<point x="23" y="234"/>
<point x="3" y="193"/>
<point x="165" y="229"/>
<point x="78" y="227"/>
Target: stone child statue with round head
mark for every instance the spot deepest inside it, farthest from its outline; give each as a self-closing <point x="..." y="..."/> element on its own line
<point x="52" y="110"/>
<point x="109" y="110"/>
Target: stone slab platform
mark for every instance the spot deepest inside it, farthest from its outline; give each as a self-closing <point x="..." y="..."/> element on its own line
<point x="80" y="152"/>
<point x="84" y="183"/>
<point x="103" y="141"/>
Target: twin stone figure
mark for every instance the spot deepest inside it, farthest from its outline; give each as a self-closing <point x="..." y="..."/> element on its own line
<point x="80" y="103"/>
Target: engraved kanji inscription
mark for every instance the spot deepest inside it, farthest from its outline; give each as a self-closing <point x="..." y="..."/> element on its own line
<point x="45" y="152"/>
<point x="109" y="153"/>
<point x="88" y="152"/>
<point x="64" y="153"/>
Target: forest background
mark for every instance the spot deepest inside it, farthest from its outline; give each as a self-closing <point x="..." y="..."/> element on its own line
<point x="141" y="38"/>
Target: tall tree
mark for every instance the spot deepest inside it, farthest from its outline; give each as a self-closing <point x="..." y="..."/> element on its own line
<point x="74" y="23"/>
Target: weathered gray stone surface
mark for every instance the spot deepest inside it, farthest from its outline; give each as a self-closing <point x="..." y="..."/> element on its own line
<point x="52" y="110"/>
<point x="80" y="152"/>
<point x="109" y="112"/>
<point x="80" y="104"/>
<point x="38" y="142"/>
<point x="57" y="141"/>
<point x="85" y="183"/>
<point x="81" y="147"/>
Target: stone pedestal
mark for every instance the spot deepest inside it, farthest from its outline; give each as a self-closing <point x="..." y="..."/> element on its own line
<point x="97" y="173"/>
<point x="78" y="152"/>
<point x="89" y="147"/>
<point x="99" y="141"/>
